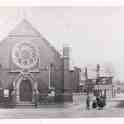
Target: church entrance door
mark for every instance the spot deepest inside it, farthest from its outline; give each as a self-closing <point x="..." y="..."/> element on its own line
<point x="25" y="90"/>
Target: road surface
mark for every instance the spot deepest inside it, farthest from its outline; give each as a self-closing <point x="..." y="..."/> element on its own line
<point x="114" y="108"/>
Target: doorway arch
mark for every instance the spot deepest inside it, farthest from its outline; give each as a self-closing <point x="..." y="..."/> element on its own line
<point x="25" y="90"/>
<point x="24" y="87"/>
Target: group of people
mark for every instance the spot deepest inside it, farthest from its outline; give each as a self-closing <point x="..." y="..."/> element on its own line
<point x="98" y="103"/>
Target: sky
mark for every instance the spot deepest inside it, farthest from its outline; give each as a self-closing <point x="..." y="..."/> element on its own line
<point x="95" y="34"/>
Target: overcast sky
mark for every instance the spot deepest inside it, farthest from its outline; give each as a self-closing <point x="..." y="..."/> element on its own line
<point x="95" y="34"/>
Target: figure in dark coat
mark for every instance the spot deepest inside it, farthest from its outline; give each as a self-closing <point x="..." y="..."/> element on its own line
<point x="88" y="102"/>
<point x="100" y="102"/>
<point x="94" y="104"/>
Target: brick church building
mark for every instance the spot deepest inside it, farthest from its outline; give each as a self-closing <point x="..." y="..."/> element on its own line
<point x="29" y="65"/>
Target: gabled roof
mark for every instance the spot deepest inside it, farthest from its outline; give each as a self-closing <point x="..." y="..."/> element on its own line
<point x="25" y="28"/>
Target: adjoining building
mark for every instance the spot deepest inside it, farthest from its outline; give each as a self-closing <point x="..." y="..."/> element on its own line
<point x="29" y="65"/>
<point x="76" y="76"/>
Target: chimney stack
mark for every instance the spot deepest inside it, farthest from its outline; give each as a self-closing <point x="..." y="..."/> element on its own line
<point x="66" y="57"/>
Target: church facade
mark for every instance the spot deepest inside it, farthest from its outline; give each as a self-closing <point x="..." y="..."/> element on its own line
<point x="30" y="66"/>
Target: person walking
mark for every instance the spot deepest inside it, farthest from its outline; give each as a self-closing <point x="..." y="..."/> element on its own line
<point x="88" y="102"/>
<point x="100" y="102"/>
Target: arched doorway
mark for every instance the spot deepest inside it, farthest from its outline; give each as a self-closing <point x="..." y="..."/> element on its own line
<point x="24" y="86"/>
<point x="25" y="90"/>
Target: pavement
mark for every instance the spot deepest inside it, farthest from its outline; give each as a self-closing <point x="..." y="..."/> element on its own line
<point x="77" y="109"/>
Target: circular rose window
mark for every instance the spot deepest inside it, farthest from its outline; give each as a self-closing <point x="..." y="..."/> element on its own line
<point x="25" y="55"/>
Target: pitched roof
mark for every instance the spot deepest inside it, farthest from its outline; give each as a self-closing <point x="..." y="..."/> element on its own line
<point x="25" y="28"/>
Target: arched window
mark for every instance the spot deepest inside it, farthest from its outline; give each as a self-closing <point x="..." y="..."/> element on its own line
<point x="51" y="75"/>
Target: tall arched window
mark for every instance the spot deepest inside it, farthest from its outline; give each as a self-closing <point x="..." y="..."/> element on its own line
<point x="51" y="75"/>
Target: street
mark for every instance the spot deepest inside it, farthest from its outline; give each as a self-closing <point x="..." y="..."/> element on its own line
<point x="77" y="109"/>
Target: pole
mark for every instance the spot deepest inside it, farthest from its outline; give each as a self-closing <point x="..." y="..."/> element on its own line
<point x="87" y="85"/>
<point x="97" y="77"/>
<point x="86" y="80"/>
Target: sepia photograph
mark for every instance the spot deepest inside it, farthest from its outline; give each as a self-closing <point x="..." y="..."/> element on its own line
<point x="61" y="62"/>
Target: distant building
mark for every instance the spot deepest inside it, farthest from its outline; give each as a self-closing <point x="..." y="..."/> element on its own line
<point x="97" y="82"/>
<point x="104" y="86"/>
